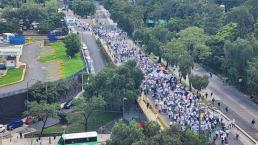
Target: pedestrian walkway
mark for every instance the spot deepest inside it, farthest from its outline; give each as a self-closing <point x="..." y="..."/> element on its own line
<point x="150" y="112"/>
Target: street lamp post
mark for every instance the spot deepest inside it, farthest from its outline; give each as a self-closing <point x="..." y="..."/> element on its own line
<point x="82" y="80"/>
<point x="124" y="99"/>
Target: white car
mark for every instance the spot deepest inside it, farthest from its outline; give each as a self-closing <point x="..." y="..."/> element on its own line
<point x="2" y="128"/>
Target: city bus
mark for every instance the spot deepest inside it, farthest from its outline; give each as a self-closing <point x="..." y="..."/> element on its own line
<point x="83" y="138"/>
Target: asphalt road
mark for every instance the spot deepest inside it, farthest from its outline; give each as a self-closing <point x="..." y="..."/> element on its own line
<point x="35" y="70"/>
<point x="99" y="61"/>
<point x="241" y="108"/>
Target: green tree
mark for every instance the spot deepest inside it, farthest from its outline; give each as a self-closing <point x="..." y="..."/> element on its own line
<point x="142" y="35"/>
<point x="173" y="51"/>
<point x="12" y="3"/>
<point x="252" y="76"/>
<point x="73" y="44"/>
<point x="87" y="106"/>
<point x="176" y="24"/>
<point x="83" y="7"/>
<point x="256" y="29"/>
<point x="131" y="134"/>
<point x="28" y="13"/>
<point x="116" y="82"/>
<point x="123" y="134"/>
<point x="216" y="59"/>
<point x="242" y="16"/>
<point x="194" y="40"/>
<point x="151" y="129"/>
<point x="252" y="6"/>
<point x="51" y="22"/>
<point x="185" y="66"/>
<point x="44" y="27"/>
<point x="213" y="18"/>
<point x="128" y="17"/>
<point x="9" y="27"/>
<point x="237" y="55"/>
<point x="199" y="82"/>
<point x="43" y="92"/>
<point x="43" y="110"/>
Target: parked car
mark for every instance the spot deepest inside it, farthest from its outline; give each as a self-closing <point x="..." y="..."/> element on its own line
<point x="2" y="128"/>
<point x="68" y="104"/>
<point x="15" y="123"/>
<point x="28" y="120"/>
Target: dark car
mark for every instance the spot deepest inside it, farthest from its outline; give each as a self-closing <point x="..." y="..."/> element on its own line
<point x="68" y="104"/>
<point x="15" y="123"/>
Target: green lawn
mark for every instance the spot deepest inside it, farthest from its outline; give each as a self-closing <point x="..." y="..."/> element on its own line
<point x="13" y="75"/>
<point x="70" y="66"/>
<point x="95" y="122"/>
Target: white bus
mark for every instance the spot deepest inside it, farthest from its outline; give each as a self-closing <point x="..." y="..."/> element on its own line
<point x="83" y="138"/>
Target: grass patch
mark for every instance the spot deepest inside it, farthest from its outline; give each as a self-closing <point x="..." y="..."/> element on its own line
<point x="13" y="75"/>
<point x="69" y="65"/>
<point x="97" y="120"/>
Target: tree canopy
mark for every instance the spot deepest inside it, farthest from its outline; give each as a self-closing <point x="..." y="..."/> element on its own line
<point x="199" y="82"/>
<point x="87" y="106"/>
<point x="132" y="134"/>
<point x="73" y="44"/>
<point x="82" y="7"/>
<point x="201" y="32"/>
<point x="115" y="83"/>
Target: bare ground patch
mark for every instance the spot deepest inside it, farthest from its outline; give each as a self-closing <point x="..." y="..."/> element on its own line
<point x="46" y="50"/>
<point x="54" y="68"/>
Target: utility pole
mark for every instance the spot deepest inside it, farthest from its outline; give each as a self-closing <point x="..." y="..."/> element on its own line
<point x="82" y="81"/>
<point x="28" y="90"/>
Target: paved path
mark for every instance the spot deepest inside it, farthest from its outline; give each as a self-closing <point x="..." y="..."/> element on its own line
<point x="35" y="69"/>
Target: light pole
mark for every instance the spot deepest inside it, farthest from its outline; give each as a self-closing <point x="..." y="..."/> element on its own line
<point x="124" y="99"/>
<point x="82" y="80"/>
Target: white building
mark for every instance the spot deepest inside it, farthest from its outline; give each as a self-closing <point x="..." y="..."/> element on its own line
<point x="6" y="37"/>
<point x="10" y="56"/>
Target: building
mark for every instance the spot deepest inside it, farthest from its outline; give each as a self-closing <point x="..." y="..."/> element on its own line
<point x="10" y="56"/>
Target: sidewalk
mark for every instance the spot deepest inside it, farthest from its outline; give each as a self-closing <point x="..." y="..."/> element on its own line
<point x="150" y="112"/>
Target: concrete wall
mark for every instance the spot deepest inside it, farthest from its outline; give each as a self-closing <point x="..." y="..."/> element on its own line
<point x="11" y="106"/>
